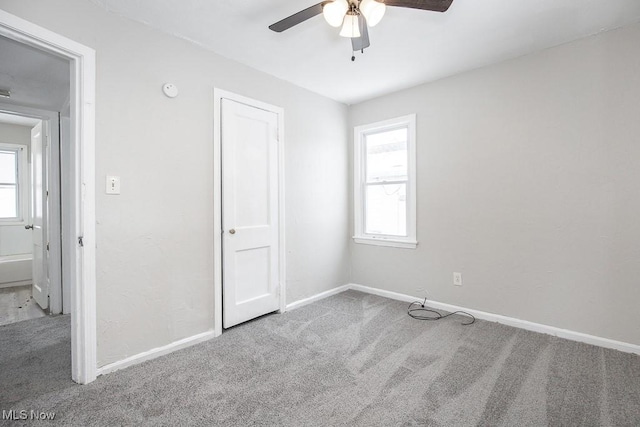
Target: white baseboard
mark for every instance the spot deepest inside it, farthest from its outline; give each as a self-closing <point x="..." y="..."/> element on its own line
<point x="382" y="293"/>
<point x="510" y="321"/>
<point x="16" y="284"/>
<point x="491" y="317"/>
<point x="187" y="342"/>
<point x="321" y="295"/>
<point x="156" y="352"/>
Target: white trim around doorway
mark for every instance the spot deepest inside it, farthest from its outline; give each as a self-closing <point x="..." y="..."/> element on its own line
<point x="78" y="201"/>
<point x="218" y="95"/>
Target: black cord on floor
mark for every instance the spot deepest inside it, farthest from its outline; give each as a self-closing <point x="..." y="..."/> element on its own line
<point x="423" y="313"/>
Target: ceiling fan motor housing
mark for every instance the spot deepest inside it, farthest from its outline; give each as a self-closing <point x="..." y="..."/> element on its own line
<point x="354" y="16"/>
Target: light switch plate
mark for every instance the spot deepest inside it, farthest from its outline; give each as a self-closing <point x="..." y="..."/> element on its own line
<point x="113" y="184"/>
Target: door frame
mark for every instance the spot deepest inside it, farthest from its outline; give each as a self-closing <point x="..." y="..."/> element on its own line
<point x="78" y="195"/>
<point x="218" y="95"/>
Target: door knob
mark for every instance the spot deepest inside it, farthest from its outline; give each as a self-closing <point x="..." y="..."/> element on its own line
<point x="232" y="231"/>
<point x="28" y="226"/>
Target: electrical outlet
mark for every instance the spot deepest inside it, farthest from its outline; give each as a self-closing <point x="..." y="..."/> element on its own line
<point x="457" y="279"/>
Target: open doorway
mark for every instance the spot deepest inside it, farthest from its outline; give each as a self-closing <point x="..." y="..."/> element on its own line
<point x="36" y="93"/>
<point x="31" y="284"/>
<point x="25" y="93"/>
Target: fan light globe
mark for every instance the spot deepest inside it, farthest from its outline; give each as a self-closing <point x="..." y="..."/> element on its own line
<point x="373" y="11"/>
<point x="334" y="12"/>
<point x="350" y="27"/>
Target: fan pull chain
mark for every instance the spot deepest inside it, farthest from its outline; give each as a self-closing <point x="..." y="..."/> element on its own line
<point x="353" y="54"/>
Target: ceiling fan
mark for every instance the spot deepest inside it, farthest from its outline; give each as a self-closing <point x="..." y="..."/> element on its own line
<point x="355" y="16"/>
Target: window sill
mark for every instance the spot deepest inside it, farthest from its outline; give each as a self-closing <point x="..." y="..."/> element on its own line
<point x="377" y="241"/>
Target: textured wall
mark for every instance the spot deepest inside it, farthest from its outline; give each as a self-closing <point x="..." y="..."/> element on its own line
<point x="155" y="240"/>
<point x="528" y="184"/>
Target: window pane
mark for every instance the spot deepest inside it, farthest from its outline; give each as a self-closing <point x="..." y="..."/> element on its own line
<point x="386" y="155"/>
<point x="8" y="201"/>
<point x="386" y="209"/>
<point x="8" y="165"/>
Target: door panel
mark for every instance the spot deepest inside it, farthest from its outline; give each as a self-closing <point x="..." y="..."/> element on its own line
<point x="250" y="212"/>
<point x="253" y="282"/>
<point x="252" y="173"/>
<point x="38" y="212"/>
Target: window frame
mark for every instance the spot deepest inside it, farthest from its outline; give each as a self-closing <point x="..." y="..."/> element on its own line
<point x="360" y="183"/>
<point x="22" y="184"/>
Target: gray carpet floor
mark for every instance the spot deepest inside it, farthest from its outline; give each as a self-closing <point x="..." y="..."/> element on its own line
<point x="351" y="359"/>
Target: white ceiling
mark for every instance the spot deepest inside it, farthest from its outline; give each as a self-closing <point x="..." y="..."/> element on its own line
<point x="407" y="48"/>
<point x="35" y="78"/>
<point x="14" y="119"/>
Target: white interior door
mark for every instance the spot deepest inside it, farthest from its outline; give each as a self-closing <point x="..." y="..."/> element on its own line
<point x="250" y="221"/>
<point x="38" y="212"/>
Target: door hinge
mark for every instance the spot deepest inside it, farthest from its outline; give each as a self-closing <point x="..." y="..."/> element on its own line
<point x="80" y="242"/>
<point x="47" y="245"/>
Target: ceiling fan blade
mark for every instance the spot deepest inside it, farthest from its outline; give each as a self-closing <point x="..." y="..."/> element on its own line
<point x="362" y="42"/>
<point x="433" y="5"/>
<point x="297" y="18"/>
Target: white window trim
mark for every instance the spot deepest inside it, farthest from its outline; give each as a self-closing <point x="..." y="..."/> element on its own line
<point x="410" y="241"/>
<point x="23" y="184"/>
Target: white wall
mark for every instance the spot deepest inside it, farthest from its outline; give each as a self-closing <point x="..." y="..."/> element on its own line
<point x="15" y="239"/>
<point x="528" y="184"/>
<point x="155" y="240"/>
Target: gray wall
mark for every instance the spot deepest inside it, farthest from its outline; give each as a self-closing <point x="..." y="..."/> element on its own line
<point x="155" y="241"/>
<point x="528" y="184"/>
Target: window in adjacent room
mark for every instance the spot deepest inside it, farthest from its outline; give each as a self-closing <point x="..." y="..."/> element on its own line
<point x="385" y="183"/>
<point x="13" y="183"/>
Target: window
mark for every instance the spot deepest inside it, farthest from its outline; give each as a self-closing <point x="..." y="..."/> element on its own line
<point x="13" y="183"/>
<point x="385" y="183"/>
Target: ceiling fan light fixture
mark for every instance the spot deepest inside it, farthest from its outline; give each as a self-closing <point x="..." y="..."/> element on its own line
<point x="335" y="11"/>
<point x="350" y="27"/>
<point x="373" y="11"/>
